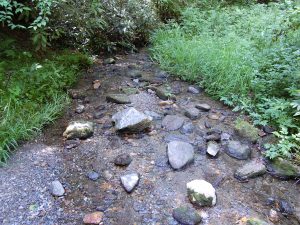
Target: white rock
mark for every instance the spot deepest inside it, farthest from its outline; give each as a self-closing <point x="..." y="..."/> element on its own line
<point x="212" y="148"/>
<point x="129" y="181"/>
<point x="201" y="193"/>
<point x="57" y="189"/>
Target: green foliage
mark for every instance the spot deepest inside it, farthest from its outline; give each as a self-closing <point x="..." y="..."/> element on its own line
<point x="247" y="56"/>
<point x="32" y="90"/>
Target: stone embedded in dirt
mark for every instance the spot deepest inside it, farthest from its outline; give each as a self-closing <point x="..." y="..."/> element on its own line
<point x="56" y="189"/>
<point x="214" y="116"/>
<point x="109" y="61"/>
<point x="201" y="193"/>
<point x="96" y="84"/>
<point x="186" y="215"/>
<point x="194" y="90"/>
<point x="79" y="129"/>
<point x="285" y="208"/>
<point x="72" y="143"/>
<point x="76" y="94"/>
<point x="118" y="98"/>
<point x="154" y="115"/>
<point x="132" y="120"/>
<point x="192" y="113"/>
<point x="123" y="160"/>
<point x="225" y="137"/>
<point x="92" y="175"/>
<point x="213" y="137"/>
<point x="163" y="93"/>
<point x="93" y="218"/>
<point x="172" y="122"/>
<point x="133" y="73"/>
<point x="283" y="169"/>
<point x="207" y="125"/>
<point x="187" y="128"/>
<point x="130" y="90"/>
<point x="180" y="154"/>
<point x="79" y="109"/>
<point x="251" y="169"/>
<point x="98" y="115"/>
<point x="177" y="137"/>
<point x="212" y="149"/>
<point x="273" y="216"/>
<point x="203" y="107"/>
<point x="254" y="221"/>
<point x="130" y="181"/>
<point x="238" y="150"/>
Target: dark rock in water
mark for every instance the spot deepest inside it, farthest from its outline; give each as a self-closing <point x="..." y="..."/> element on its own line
<point x="154" y="115"/>
<point x="186" y="215"/>
<point x="130" y="181"/>
<point x="187" y="128"/>
<point x="237" y="150"/>
<point x="134" y="73"/>
<point x="203" y="107"/>
<point x="123" y="160"/>
<point x="180" y="154"/>
<point x="250" y="170"/>
<point x="172" y="122"/>
<point x="212" y="149"/>
<point x="194" y="90"/>
<point x="109" y="61"/>
<point x="192" y="113"/>
<point x="132" y="120"/>
<point x="177" y="137"/>
<point x="79" y="129"/>
<point x="283" y="169"/>
<point x="72" y="143"/>
<point x="285" y="208"/>
<point x="118" y="98"/>
<point x="92" y="175"/>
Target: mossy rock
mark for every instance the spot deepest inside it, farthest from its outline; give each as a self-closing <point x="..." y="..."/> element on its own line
<point x="186" y="215"/>
<point x="246" y="130"/>
<point x="200" y="199"/>
<point x="283" y="169"/>
<point x="130" y="90"/>
<point x="79" y="129"/>
<point x="254" y="221"/>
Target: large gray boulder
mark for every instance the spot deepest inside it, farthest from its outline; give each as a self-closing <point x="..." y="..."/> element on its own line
<point x="238" y="150"/>
<point x="79" y="129"/>
<point x="180" y="154"/>
<point x="132" y="120"/>
<point x="172" y="122"/>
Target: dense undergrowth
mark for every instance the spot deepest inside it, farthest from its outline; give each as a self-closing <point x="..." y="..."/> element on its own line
<point x="247" y="56"/>
<point x="32" y="90"/>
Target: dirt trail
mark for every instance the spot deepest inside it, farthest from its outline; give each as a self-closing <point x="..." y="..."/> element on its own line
<point x="24" y="182"/>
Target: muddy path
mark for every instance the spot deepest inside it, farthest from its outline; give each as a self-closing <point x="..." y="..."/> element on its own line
<point x="24" y="182"/>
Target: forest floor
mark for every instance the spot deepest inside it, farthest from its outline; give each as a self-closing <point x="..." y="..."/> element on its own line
<point x="24" y="182"/>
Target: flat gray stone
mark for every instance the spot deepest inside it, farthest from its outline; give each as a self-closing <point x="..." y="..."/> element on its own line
<point x="212" y="148"/>
<point x="123" y="160"/>
<point x="118" y="98"/>
<point x="56" y="189"/>
<point x="172" y="122"/>
<point x="193" y="90"/>
<point x="134" y="73"/>
<point x="130" y="181"/>
<point x="187" y="128"/>
<point x="180" y="154"/>
<point x="203" y="107"/>
<point x="79" y="129"/>
<point x="251" y="169"/>
<point x="92" y="175"/>
<point x="132" y="120"/>
<point x="237" y="150"/>
<point x="186" y="215"/>
<point x="192" y="113"/>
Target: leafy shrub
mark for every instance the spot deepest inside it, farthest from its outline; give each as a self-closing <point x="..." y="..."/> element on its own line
<point x="246" y="56"/>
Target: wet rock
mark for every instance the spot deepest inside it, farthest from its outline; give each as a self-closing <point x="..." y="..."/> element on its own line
<point x="273" y="216"/>
<point x="251" y="169"/>
<point x="180" y="154"/>
<point x="79" y="129"/>
<point x="254" y="221"/>
<point x="123" y="160"/>
<point x="203" y="107"/>
<point x="201" y="193"/>
<point x="247" y="130"/>
<point x="132" y="120"/>
<point x="285" y="208"/>
<point x="225" y="137"/>
<point x="186" y="215"/>
<point x="172" y="122"/>
<point x="283" y="169"/>
<point x="93" y="218"/>
<point x="118" y="98"/>
<point x="92" y="175"/>
<point x="79" y="109"/>
<point x="212" y="149"/>
<point x="163" y="93"/>
<point x="187" y="128"/>
<point x="177" y="137"/>
<point x="109" y="61"/>
<point x="130" y="90"/>
<point x="192" y="113"/>
<point x="130" y="181"/>
<point x="154" y="115"/>
<point x="72" y="143"/>
<point x="56" y="189"/>
<point x="193" y="90"/>
<point x="237" y="150"/>
<point x="134" y="73"/>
